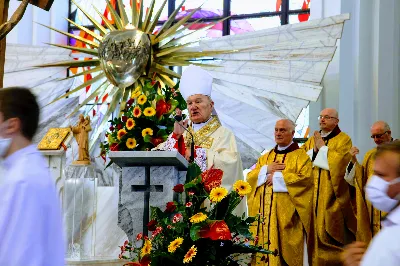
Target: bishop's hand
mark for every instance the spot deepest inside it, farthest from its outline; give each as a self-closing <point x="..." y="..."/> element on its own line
<point x="179" y="127"/>
<point x="273" y="167"/>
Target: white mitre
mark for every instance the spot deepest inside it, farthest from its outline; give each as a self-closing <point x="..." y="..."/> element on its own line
<point x="195" y="80"/>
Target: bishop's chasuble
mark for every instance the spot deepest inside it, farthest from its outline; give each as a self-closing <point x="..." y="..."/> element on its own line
<point x="368" y="218"/>
<point x="286" y="206"/>
<point x="215" y="146"/>
<point x="335" y="223"/>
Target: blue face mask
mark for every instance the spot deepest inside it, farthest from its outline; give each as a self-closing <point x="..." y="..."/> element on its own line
<point x="376" y="192"/>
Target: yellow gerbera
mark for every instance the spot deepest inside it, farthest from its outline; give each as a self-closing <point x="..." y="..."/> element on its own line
<point x="131" y="143"/>
<point x="242" y="187"/>
<point x="135" y="94"/>
<point x="218" y="193"/>
<point x="121" y="133"/>
<point x="149" y="111"/>
<point x="147" y="131"/>
<point x="146" y="249"/>
<point x="198" y="218"/>
<point x="190" y="254"/>
<point x="175" y="244"/>
<point x="130" y="123"/>
<point x="142" y="99"/>
<point x="110" y="138"/>
<point x="137" y="112"/>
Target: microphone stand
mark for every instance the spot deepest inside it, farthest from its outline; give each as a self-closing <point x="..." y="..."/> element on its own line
<point x="178" y="118"/>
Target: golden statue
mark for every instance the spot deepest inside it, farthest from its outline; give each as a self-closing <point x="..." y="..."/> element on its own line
<point x="81" y="134"/>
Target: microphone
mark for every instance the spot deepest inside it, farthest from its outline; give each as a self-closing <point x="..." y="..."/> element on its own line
<point x="178" y="118"/>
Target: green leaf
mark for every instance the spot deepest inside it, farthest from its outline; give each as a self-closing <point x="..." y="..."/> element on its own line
<point x="192" y="172"/>
<point x="194" y="232"/>
<point x="174" y="104"/>
<point x="147" y="138"/>
<point x="162" y="133"/>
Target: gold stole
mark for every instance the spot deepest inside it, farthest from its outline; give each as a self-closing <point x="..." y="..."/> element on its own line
<point x="202" y="137"/>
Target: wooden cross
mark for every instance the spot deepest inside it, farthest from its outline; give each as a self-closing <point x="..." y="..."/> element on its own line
<point x="6" y="26"/>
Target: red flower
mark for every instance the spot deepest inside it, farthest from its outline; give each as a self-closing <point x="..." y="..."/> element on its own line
<point x="130" y="102"/>
<point x="191" y="193"/>
<point x="139" y="236"/>
<point x="123" y="249"/>
<point x="120" y="126"/>
<point x="178" y="188"/>
<point x="217" y="230"/>
<point x="146" y="238"/>
<point x="212" y="178"/>
<point x="126" y="242"/>
<point x="162" y="107"/>
<point x="189" y="204"/>
<point x="152" y="225"/>
<point x="145" y="261"/>
<point x="112" y="128"/>
<point x="170" y="207"/>
<point x="124" y="119"/>
<point x="156" y="141"/>
<point x="114" y="147"/>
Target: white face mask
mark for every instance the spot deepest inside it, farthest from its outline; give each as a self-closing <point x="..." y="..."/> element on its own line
<point x="376" y="192"/>
<point x="4" y="146"/>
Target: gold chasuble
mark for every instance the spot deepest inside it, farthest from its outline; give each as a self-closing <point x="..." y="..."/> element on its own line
<point x="368" y="218"/>
<point x="335" y="223"/>
<point x="286" y="215"/>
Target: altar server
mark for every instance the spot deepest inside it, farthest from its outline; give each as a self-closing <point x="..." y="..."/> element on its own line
<point x="31" y="231"/>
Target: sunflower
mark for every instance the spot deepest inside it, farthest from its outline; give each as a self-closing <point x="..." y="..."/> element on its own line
<point x="121" y="133"/>
<point x="175" y="244"/>
<point x="198" y="218"/>
<point x="130" y="123"/>
<point x="136" y="93"/>
<point x="242" y="187"/>
<point x="218" y="193"/>
<point x="131" y="143"/>
<point x="149" y="111"/>
<point x="137" y="112"/>
<point x="190" y="254"/>
<point x="142" y="99"/>
<point x="146" y="249"/>
<point x="147" y="131"/>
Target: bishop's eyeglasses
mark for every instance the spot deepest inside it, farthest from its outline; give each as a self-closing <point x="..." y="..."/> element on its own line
<point x="326" y="117"/>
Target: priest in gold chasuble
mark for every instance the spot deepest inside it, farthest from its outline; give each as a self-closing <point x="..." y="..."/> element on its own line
<point x="335" y="222"/>
<point x="282" y="192"/>
<point x="214" y="145"/>
<point x="368" y="218"/>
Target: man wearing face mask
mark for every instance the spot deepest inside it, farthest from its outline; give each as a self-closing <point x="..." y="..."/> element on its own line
<point x="335" y="223"/>
<point x="215" y="145"/>
<point x="383" y="191"/>
<point x="368" y="218"/>
<point x="30" y="215"/>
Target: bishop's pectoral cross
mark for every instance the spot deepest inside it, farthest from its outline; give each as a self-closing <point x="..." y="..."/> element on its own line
<point x="7" y="25"/>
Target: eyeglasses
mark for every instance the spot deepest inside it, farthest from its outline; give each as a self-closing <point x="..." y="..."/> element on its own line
<point x="326" y="117"/>
<point x="378" y="136"/>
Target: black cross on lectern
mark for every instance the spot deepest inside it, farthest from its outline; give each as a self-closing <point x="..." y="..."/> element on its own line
<point x="146" y="188"/>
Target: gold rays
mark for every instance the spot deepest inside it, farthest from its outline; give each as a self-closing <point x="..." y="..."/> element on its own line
<point x="167" y="44"/>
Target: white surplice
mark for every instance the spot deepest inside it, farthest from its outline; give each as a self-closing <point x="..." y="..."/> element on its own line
<point x="31" y="232"/>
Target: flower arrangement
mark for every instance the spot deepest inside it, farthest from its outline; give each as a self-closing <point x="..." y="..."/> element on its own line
<point x="146" y="120"/>
<point x="187" y="233"/>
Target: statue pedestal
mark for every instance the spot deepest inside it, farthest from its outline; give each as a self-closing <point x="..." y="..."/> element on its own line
<point x="147" y="180"/>
<point x="80" y="207"/>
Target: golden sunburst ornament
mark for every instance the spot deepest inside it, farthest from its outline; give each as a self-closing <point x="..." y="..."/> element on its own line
<point x="127" y="52"/>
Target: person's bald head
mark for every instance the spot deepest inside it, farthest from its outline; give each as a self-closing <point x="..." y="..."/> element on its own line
<point x="380" y="132"/>
<point x="284" y="132"/>
<point x="328" y="119"/>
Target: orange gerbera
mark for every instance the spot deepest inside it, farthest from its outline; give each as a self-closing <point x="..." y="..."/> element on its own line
<point x="130" y="124"/>
<point x="121" y="133"/>
<point x="190" y="254"/>
<point x="137" y="112"/>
